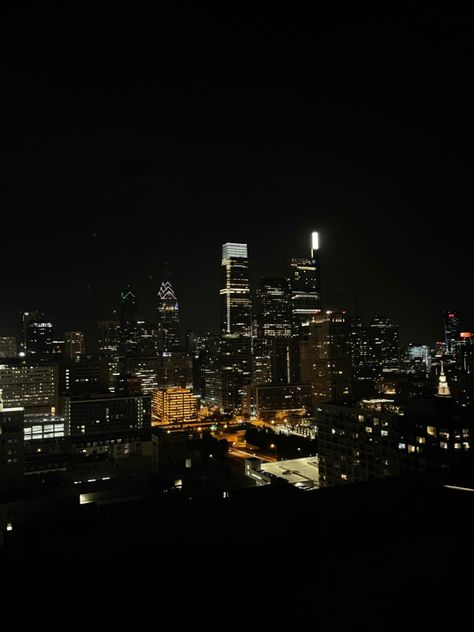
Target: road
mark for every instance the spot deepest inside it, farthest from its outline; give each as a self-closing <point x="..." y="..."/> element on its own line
<point x="244" y="455"/>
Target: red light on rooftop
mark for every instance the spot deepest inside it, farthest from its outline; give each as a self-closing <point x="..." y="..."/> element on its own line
<point x="451" y="315"/>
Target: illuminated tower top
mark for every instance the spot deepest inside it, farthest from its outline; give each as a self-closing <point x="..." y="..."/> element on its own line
<point x="314" y="243"/>
<point x="443" y="388"/>
<point x="234" y="250"/>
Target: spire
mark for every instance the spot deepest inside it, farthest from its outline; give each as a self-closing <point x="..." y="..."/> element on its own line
<point x="443" y="388"/>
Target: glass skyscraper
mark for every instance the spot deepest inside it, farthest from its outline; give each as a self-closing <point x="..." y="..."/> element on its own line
<point x="235" y="290"/>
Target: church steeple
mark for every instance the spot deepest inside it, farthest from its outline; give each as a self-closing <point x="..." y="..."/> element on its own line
<point x="443" y="388"/>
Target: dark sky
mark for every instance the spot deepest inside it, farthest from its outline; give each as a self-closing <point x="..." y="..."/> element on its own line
<point x="117" y="158"/>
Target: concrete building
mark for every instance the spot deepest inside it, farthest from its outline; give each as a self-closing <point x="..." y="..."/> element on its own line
<point x="268" y="401"/>
<point x="330" y="365"/>
<point x="174" y="404"/>
<point x="7" y="347"/>
<point x="33" y="387"/>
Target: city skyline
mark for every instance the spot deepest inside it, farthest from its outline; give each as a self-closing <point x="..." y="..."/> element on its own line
<point x="101" y="301"/>
<point x="117" y="161"/>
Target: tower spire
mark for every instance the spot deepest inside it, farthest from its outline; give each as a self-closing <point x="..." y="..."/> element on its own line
<point x="443" y="388"/>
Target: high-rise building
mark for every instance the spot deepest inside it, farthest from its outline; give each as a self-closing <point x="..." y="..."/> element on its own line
<point x="129" y="333"/>
<point x="373" y="347"/>
<point x="11" y="448"/>
<point x="235" y="290"/>
<point x="419" y="356"/>
<point x="235" y="370"/>
<point x="268" y="401"/>
<point x="330" y="366"/>
<point x="211" y="373"/>
<point x="109" y="338"/>
<point x="452" y="330"/>
<point x="74" y="344"/>
<point x="12" y="469"/>
<point x="79" y="376"/>
<point x="168" y="318"/>
<point x="376" y="438"/>
<point x="34" y="388"/>
<point x="7" y="347"/>
<point x="273" y="308"/>
<point x="104" y="415"/>
<point x="174" y="404"/>
<point x="305" y="287"/>
<point x="37" y="336"/>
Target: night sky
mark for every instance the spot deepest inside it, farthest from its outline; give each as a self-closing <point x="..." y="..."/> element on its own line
<point x="258" y="129"/>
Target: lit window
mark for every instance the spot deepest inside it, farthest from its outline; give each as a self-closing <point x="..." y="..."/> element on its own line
<point x="431" y="431"/>
<point x="421" y="440"/>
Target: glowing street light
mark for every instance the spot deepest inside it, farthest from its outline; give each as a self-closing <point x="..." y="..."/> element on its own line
<point x="274" y="448"/>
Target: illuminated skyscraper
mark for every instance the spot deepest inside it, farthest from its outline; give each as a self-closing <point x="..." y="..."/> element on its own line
<point x="452" y="330"/>
<point x="109" y="338"/>
<point x="305" y="286"/>
<point x="37" y="338"/>
<point x="273" y="308"/>
<point x="331" y="371"/>
<point x="74" y="344"/>
<point x="235" y="290"/>
<point x="168" y="318"/>
<point x="128" y="322"/>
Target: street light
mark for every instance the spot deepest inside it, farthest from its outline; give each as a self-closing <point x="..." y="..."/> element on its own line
<point x="273" y="446"/>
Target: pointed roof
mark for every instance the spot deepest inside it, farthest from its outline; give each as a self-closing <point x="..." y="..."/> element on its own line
<point x="166" y="292"/>
<point x="443" y="388"/>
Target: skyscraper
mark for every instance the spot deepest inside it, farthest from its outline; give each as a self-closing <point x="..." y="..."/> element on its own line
<point x="331" y="372"/>
<point x="109" y="338"/>
<point x="74" y="344"/>
<point x="128" y="322"/>
<point x="305" y="286"/>
<point x="235" y="290"/>
<point x="37" y="336"/>
<point x="452" y="330"/>
<point x="168" y="318"/>
<point x="273" y="308"/>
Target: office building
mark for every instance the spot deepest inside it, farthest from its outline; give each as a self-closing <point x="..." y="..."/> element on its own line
<point x="109" y="338"/>
<point x="34" y="388"/>
<point x="235" y="370"/>
<point x="37" y="336"/>
<point x="107" y="415"/>
<point x="270" y="401"/>
<point x="8" y="347"/>
<point x="129" y="333"/>
<point x="11" y="448"/>
<point x="330" y="366"/>
<point x="235" y="290"/>
<point x="452" y="330"/>
<point x="168" y="318"/>
<point x="74" y="344"/>
<point x="273" y="308"/>
<point x="305" y="288"/>
<point x="174" y="405"/>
